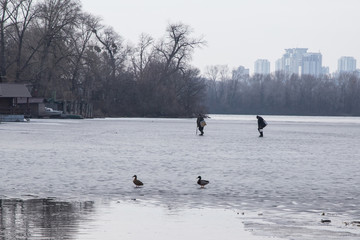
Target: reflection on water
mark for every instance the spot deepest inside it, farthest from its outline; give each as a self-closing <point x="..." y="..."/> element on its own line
<point x="41" y="218"/>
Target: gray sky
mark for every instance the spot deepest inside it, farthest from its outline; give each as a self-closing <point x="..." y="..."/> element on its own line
<point x="238" y="32"/>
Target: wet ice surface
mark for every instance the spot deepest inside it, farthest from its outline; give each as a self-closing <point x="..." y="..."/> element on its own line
<point x="125" y="221"/>
<point x="303" y="167"/>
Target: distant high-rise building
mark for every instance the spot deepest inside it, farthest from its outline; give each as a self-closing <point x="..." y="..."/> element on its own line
<point x="291" y="61"/>
<point x="311" y="64"/>
<point x="262" y="66"/>
<point x="279" y="65"/>
<point x="299" y="61"/>
<point x="346" y="64"/>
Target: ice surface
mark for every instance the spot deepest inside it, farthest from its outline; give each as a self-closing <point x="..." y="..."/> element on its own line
<point x="303" y="167"/>
<point x="131" y="221"/>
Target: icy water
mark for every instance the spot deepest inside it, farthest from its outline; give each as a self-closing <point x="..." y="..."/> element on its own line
<point x="58" y="176"/>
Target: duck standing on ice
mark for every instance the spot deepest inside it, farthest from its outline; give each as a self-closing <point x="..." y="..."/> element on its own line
<point x="202" y="182"/>
<point x="137" y="182"/>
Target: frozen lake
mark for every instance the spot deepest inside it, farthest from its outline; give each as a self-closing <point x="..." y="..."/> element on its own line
<point x="304" y="169"/>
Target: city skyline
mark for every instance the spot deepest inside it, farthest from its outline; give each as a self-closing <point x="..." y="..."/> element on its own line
<point x="309" y="63"/>
<point x="240" y="32"/>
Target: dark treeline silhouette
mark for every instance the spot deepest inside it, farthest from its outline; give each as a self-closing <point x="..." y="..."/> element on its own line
<point x="62" y="52"/>
<point x="282" y="94"/>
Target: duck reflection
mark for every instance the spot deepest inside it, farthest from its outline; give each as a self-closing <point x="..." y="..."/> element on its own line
<point x="41" y="218"/>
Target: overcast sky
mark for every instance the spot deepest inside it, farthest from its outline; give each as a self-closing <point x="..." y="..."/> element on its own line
<point x="238" y="32"/>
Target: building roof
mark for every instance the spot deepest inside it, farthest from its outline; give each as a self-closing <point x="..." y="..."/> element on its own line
<point x="9" y="90"/>
<point x="30" y="100"/>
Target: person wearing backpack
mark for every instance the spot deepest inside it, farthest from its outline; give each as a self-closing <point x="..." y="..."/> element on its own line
<point x="261" y="124"/>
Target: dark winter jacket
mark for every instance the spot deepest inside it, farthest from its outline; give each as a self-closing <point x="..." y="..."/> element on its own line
<point x="199" y="119"/>
<point x="261" y="122"/>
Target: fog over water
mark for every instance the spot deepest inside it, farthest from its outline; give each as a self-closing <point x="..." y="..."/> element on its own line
<point x="284" y="182"/>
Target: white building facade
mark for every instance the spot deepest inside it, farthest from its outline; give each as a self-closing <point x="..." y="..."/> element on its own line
<point x="312" y="64"/>
<point x="262" y="66"/>
<point x="346" y="64"/>
<point x="298" y="61"/>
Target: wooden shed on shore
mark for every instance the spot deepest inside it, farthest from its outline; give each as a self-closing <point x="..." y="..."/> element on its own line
<point x="9" y="97"/>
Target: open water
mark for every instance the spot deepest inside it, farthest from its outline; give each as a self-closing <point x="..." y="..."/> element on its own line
<point x="56" y="174"/>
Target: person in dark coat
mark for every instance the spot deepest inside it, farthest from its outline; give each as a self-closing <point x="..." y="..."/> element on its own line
<point x="200" y="124"/>
<point x="261" y="124"/>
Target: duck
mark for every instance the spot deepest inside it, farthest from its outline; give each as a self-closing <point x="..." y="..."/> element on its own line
<point x="137" y="182"/>
<point x="201" y="182"/>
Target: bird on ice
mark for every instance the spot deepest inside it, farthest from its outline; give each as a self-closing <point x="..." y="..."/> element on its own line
<point x="202" y="182"/>
<point x="137" y="182"/>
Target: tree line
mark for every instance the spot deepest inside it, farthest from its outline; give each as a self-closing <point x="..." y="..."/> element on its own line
<point x="63" y="52"/>
<point x="282" y="94"/>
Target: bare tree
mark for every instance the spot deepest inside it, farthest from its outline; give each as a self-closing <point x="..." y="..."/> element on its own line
<point x="81" y="40"/>
<point x="5" y="14"/>
<point x="21" y="18"/>
<point x="55" y="23"/>
<point x="176" y="49"/>
<point x="142" y="56"/>
<point x="190" y="92"/>
<point x="109" y="39"/>
<point x="115" y="56"/>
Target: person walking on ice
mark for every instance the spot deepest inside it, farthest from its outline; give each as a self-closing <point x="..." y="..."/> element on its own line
<point x="200" y="122"/>
<point x="261" y="124"/>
